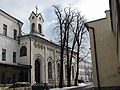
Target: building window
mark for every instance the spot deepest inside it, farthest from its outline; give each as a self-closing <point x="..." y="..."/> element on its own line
<point x="58" y="71"/>
<point x="14" y="57"/>
<point x="39" y="28"/>
<point x="32" y="17"/>
<point x="65" y="71"/>
<point x="23" y="51"/>
<point x="4" y="29"/>
<point x="72" y="72"/>
<point x="15" y="34"/>
<point x="49" y="70"/>
<point x="33" y="27"/>
<point x="3" y="54"/>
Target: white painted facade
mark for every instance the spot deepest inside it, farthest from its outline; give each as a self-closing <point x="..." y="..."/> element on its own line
<point x="8" y="42"/>
<point x="38" y="50"/>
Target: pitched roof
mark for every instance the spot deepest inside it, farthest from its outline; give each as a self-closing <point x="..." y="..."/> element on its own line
<point x="10" y="16"/>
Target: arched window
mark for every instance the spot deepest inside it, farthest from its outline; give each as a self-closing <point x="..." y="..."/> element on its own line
<point x="37" y="71"/>
<point x="72" y="72"/>
<point x="23" y="51"/>
<point x="58" y="71"/>
<point x="49" y="70"/>
<point x="65" y="71"/>
<point x="33" y="27"/>
<point x="39" y="28"/>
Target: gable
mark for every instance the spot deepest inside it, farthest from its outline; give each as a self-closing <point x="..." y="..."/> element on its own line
<point x="40" y="17"/>
<point x="32" y="15"/>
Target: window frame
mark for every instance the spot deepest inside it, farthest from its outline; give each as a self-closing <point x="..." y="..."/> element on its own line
<point x="4" y="29"/>
<point x="14" y="57"/>
<point x="73" y="76"/>
<point x="40" y="28"/>
<point x="58" y="71"/>
<point x="49" y="70"/>
<point x="23" y="51"/>
<point x="15" y="34"/>
<point x="65" y="71"/>
<point x="33" y="27"/>
<point x="3" y="54"/>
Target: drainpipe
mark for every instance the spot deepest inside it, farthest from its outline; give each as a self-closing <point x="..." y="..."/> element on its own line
<point x="30" y="57"/>
<point x="95" y="50"/>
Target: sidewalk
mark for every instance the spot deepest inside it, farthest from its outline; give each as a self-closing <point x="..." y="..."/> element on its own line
<point x="81" y="85"/>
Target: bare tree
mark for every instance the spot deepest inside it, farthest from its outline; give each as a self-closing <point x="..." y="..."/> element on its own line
<point x="61" y="21"/>
<point x="70" y="24"/>
<point x="79" y="37"/>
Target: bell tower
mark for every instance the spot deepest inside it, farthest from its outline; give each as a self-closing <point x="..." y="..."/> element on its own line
<point x="36" y="23"/>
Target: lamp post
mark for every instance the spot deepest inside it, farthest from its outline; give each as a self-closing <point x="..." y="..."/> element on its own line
<point x="95" y="51"/>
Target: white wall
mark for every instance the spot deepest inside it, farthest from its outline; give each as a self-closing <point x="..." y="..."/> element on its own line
<point x="7" y="42"/>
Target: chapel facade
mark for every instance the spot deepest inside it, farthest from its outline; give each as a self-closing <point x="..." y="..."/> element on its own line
<point x="30" y="57"/>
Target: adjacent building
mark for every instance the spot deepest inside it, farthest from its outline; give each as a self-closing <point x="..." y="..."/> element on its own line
<point x="105" y="51"/>
<point x="29" y="57"/>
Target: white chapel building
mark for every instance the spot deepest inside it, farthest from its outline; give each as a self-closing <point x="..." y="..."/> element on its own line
<point x="30" y="57"/>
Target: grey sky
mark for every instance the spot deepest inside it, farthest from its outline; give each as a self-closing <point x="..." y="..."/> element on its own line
<point x="21" y="9"/>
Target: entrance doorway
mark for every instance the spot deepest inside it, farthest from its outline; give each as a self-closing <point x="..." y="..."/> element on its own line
<point x="37" y="71"/>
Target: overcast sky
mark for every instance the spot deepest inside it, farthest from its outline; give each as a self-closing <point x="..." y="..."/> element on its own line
<point x="21" y="9"/>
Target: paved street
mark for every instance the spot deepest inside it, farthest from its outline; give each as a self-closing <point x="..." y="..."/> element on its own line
<point x="81" y="86"/>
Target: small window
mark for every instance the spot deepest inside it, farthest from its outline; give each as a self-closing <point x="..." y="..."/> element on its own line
<point x="32" y="17"/>
<point x="3" y="54"/>
<point x="14" y="57"/>
<point x="39" y="28"/>
<point x="23" y="51"/>
<point x="33" y="27"/>
<point x="15" y="34"/>
<point x="49" y="70"/>
<point x="4" y="29"/>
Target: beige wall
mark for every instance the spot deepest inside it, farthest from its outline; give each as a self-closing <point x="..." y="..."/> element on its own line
<point x="106" y="52"/>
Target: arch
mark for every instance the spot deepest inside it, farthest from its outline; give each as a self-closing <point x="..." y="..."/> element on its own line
<point x="39" y="28"/>
<point x="37" y="71"/>
<point x="23" y="51"/>
<point x="41" y="75"/>
<point x="49" y="70"/>
<point x="33" y="27"/>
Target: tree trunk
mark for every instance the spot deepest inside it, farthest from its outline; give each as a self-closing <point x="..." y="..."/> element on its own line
<point x="76" y="78"/>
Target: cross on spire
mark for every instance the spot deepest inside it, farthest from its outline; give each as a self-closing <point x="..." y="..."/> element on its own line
<point x="36" y="9"/>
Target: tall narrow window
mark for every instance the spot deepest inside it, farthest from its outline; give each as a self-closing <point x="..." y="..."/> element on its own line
<point x="23" y="51"/>
<point x="65" y="71"/>
<point x="49" y="70"/>
<point x="4" y="29"/>
<point x="39" y="28"/>
<point x="15" y="34"/>
<point x="3" y="54"/>
<point x="33" y="27"/>
<point x="58" y="71"/>
<point x="72" y="72"/>
<point x="14" y="57"/>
